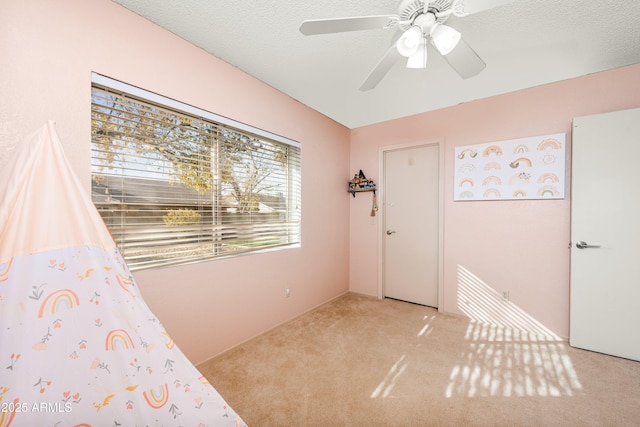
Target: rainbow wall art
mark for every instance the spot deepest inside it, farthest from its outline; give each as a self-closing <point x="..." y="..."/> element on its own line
<point x="524" y="168"/>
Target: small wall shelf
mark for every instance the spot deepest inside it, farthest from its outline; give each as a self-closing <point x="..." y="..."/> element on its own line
<point x="360" y="184"/>
<point x="353" y="191"/>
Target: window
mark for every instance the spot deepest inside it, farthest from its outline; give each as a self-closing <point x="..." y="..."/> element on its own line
<point x="175" y="184"/>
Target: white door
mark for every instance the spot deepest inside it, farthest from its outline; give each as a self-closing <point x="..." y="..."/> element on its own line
<point x="411" y="192"/>
<point x="605" y="234"/>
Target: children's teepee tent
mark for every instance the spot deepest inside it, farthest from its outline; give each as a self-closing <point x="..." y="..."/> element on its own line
<point x="78" y="345"/>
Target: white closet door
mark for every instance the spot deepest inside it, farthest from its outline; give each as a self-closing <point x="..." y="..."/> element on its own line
<point x="605" y="234"/>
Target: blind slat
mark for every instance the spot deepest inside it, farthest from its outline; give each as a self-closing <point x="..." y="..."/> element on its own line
<point x="177" y="188"/>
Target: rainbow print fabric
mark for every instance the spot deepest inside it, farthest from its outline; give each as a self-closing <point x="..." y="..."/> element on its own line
<point x="78" y="345"/>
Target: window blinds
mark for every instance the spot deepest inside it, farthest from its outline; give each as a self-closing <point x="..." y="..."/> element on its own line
<point x="176" y="187"/>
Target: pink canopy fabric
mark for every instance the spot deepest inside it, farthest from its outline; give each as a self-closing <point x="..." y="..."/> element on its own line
<point x="78" y="344"/>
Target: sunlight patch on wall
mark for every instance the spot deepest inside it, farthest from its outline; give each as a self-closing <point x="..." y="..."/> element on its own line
<point x="510" y="353"/>
<point x="482" y="303"/>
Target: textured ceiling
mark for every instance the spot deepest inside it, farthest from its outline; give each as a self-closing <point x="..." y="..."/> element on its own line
<point x="525" y="43"/>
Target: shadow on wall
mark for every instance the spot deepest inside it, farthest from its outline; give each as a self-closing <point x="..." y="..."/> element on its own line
<point x="510" y="353"/>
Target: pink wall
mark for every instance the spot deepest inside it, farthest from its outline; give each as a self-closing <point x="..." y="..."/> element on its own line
<point x="520" y="246"/>
<point x="49" y="49"/>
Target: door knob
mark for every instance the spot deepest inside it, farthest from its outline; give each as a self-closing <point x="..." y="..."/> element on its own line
<point x="390" y="232"/>
<point x="583" y="245"/>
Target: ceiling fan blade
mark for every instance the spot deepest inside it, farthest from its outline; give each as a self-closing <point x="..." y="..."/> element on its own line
<point x="381" y="69"/>
<point x="469" y="7"/>
<point x="465" y="60"/>
<point x="340" y="25"/>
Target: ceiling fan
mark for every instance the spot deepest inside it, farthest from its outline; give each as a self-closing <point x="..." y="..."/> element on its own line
<point x="420" y="21"/>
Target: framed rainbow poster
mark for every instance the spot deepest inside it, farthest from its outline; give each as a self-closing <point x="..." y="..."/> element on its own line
<point x="524" y="168"/>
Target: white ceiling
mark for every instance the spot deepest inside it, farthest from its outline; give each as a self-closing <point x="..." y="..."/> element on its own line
<point x="525" y="43"/>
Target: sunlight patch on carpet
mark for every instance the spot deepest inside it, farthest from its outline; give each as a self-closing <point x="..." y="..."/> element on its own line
<point x="510" y="353"/>
<point x="426" y="330"/>
<point x="385" y="387"/>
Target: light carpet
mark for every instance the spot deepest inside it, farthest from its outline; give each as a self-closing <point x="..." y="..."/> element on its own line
<point x="360" y="361"/>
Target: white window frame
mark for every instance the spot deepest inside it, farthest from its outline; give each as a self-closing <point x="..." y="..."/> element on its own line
<point x="291" y="227"/>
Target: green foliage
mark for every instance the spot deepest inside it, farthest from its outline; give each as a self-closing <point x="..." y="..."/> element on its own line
<point x="196" y="151"/>
<point x="181" y="217"/>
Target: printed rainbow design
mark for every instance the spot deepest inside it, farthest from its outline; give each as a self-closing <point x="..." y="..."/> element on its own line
<point x="466" y="181"/>
<point x="548" y="190"/>
<point x="126" y="283"/>
<point x="471" y="152"/>
<point x="549" y="143"/>
<point x="522" y="160"/>
<point x="519" y="177"/>
<point x="6" y="417"/>
<point x="492" y="149"/>
<point x="522" y="148"/>
<point x="492" y="180"/>
<point x="118" y="337"/>
<point x="466" y="195"/>
<point x="4" y="270"/>
<point x="51" y="303"/>
<point x="492" y="165"/>
<point x="519" y="193"/>
<point x="552" y="177"/>
<point x="492" y="192"/>
<point x="169" y="342"/>
<point x="157" y="400"/>
<point x="467" y="167"/>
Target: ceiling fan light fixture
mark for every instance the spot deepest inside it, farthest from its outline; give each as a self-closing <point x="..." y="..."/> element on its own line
<point x="419" y="58"/>
<point x="444" y="38"/>
<point x="409" y="41"/>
